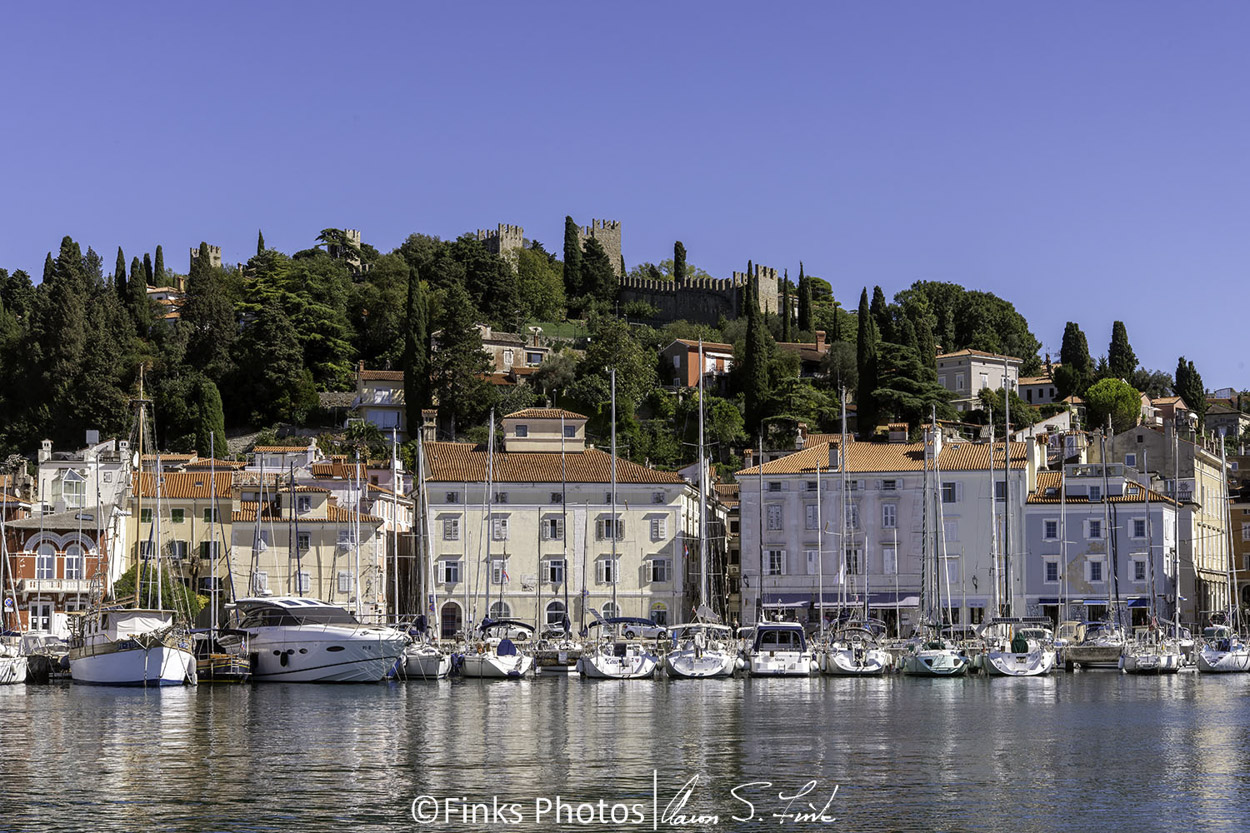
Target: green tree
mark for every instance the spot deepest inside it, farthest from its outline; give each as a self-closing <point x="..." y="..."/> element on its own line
<point x="540" y="288"/>
<point x="1116" y="399"/>
<point x="839" y="367"/>
<point x="1189" y="387"/>
<point x="376" y="312"/>
<point x="208" y="314"/>
<point x="679" y="262"/>
<point x="881" y="316"/>
<point x="119" y="276"/>
<point x="805" y="302"/>
<point x="148" y="274"/>
<point x="904" y="390"/>
<point x="158" y="269"/>
<point x="968" y="319"/>
<point x="572" y="260"/>
<point x="614" y="345"/>
<point x="416" y="354"/>
<point x="866" y="367"/>
<point x="210" y="430"/>
<point x="138" y="304"/>
<point x="598" y="276"/>
<point x="273" y="384"/>
<point x="174" y="594"/>
<point x="1121" y="360"/>
<point x="991" y="405"/>
<point x="1077" y="369"/>
<point x="260" y="241"/>
<point x="556" y="375"/>
<point x="457" y="361"/>
<point x="785" y="308"/>
<point x="755" y="360"/>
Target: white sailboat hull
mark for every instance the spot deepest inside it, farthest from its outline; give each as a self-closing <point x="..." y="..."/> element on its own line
<point x="1009" y="664"/>
<point x="12" y="670"/>
<point x="1150" y="662"/>
<point x="494" y="667"/>
<point x="688" y="665"/>
<point x="780" y="664"/>
<point x="158" y="665"/>
<point x="324" y="653"/>
<point x="632" y="666"/>
<point x="935" y="663"/>
<point x="850" y="662"/>
<point x="426" y="662"/>
<point x="1212" y="661"/>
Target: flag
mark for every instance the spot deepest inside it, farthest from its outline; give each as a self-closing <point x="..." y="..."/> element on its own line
<point x="431" y="603"/>
<point x="505" y="575"/>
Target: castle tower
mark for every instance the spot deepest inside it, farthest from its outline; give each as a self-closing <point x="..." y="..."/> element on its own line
<point x="214" y="256"/>
<point x="769" y="287"/>
<point x="608" y="233"/>
<point x="504" y="241"/>
<point x="350" y="254"/>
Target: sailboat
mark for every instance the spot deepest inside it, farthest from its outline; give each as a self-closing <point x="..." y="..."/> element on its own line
<point x="929" y="654"/>
<point x="424" y="659"/>
<point x="704" y="648"/>
<point x="611" y="655"/>
<point x="135" y="646"/>
<point x="13" y="663"/>
<point x="1151" y="651"/>
<point x="1223" y="649"/>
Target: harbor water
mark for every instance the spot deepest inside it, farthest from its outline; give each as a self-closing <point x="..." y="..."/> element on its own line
<point x="1082" y="751"/>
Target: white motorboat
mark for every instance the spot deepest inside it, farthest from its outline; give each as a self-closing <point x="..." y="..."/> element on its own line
<point x="701" y="650"/>
<point x="1222" y="652"/>
<point x="12" y="661"/>
<point x="780" y="649"/>
<point x="130" y="647"/>
<point x="1096" y="645"/>
<point x="494" y="655"/>
<point x="855" y="650"/>
<point x="302" y="640"/>
<point x="1018" y="647"/>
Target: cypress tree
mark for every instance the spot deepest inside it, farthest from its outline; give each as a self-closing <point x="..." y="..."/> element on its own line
<point x="1077" y="370"/>
<point x="416" y="355"/>
<point x="147" y="269"/>
<point x="598" y="279"/>
<point x="158" y="269"/>
<point x="805" y="301"/>
<point x="137" y="302"/>
<point x="679" y="263"/>
<point x="755" y="369"/>
<point x="572" y="259"/>
<point x="48" y="268"/>
<point x="119" y="276"/>
<point x="785" y="307"/>
<point x="458" y="364"/>
<point x="881" y="316"/>
<point x="1121" y="359"/>
<point x="1188" y="386"/>
<point x="208" y="314"/>
<point x="210" y="420"/>
<point x="866" y="364"/>
<point x="260" y="241"/>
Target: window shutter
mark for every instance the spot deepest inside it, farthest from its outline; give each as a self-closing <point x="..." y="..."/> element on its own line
<point x="546" y="533"/>
<point x="559" y="529"/>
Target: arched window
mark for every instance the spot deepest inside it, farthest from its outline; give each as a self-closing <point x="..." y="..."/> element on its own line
<point x="75" y="562"/>
<point x="45" y="561"/>
<point x="659" y="613"/>
<point x="500" y="610"/>
<point x="451" y="620"/>
<point x="555" y="614"/>
<point x="610" y="610"/>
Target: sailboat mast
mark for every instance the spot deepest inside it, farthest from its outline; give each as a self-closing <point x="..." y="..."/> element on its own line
<point x="702" y="494"/>
<point x="396" y="485"/>
<point x="139" y="498"/>
<point x="759" y="611"/>
<point x="212" y="536"/>
<point x="1150" y="559"/>
<point x="564" y="526"/>
<point x="1109" y="533"/>
<point x="612" y="516"/>
<point x="1010" y="588"/>
<point x="1231" y="571"/>
<point x="156" y="547"/>
<point x="843" y="486"/>
<point x="997" y="572"/>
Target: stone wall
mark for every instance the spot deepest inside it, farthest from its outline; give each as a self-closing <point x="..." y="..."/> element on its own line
<point x="505" y="240"/>
<point x="608" y="233"/>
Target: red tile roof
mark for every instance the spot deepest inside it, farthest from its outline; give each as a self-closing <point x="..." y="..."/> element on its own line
<point x="465" y="462"/>
<point x="891" y="457"/>
<point x="186" y="485"/>
<point x="543" y="413"/>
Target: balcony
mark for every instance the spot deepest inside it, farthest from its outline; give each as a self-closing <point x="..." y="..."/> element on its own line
<point x="53" y="586"/>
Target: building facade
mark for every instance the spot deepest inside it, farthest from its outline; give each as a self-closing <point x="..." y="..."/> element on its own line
<point x="968" y="372"/>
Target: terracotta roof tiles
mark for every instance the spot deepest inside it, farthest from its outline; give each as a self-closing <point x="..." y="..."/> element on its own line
<point x="465" y="462"/>
<point x="186" y="485"/>
<point x="544" y="413"/>
<point x="382" y="375"/>
<point x="890" y="457"/>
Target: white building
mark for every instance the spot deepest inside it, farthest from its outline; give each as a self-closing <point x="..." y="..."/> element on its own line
<point x="968" y="372"/>
<point x="82" y="479"/>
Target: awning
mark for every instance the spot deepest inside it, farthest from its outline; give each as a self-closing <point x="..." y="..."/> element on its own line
<point x="976" y="603"/>
<point x="787" y="600"/>
<point x="1048" y="600"/>
<point x="1139" y="602"/>
<point x="1102" y="602"/>
<point x="891" y="599"/>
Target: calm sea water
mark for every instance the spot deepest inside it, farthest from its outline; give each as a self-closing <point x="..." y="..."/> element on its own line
<point x="1080" y="752"/>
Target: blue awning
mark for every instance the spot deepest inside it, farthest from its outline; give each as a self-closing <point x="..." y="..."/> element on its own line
<point x="1141" y="602"/>
<point x="1102" y="602"/>
<point x="976" y="603"/>
<point x="787" y="599"/>
<point x="1048" y="601"/>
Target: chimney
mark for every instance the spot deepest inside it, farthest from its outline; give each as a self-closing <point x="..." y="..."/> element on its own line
<point x="45" y="451"/>
<point x="361" y="366"/>
<point x="835" y="454"/>
<point x="747" y="457"/>
<point x="820" y="341"/>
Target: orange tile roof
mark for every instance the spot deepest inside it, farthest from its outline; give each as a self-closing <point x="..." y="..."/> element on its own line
<point x="465" y="462"/>
<point x="890" y="457"/>
<point x="246" y="513"/>
<point x="339" y="470"/>
<point x="206" y="463"/>
<point x="981" y="353"/>
<point x="543" y="413"/>
<point x="1047" y="480"/>
<point x="382" y="375"/>
<point x="169" y="458"/>
<point x="279" y="449"/>
<point x="186" y="485"/>
<point x="707" y="345"/>
<point x="303" y="489"/>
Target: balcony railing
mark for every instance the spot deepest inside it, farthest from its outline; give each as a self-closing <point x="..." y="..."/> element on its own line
<point x="53" y="586"/>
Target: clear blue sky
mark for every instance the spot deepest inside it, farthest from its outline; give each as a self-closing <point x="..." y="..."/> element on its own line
<point x="1086" y="161"/>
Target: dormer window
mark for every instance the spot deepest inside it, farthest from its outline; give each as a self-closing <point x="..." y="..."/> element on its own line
<point x="522" y="431"/>
<point x="570" y="431"/>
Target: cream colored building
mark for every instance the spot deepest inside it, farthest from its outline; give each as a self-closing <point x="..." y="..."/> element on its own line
<point x="547" y="541"/>
<point x="187" y="521"/>
<point x="968" y="372"/>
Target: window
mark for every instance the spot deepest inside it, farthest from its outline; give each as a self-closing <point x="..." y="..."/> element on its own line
<point x="950" y="492"/>
<point x="522" y="431"/>
<point x="451" y="529"/>
<point x="661" y="570"/>
<point x="553" y="528"/>
<point x="659" y="529"/>
<point x="852" y="561"/>
<point x="985" y="381"/>
<point x="108" y="477"/>
<point x="852" y="485"/>
<point x="774" y="486"/>
<point x="500" y="610"/>
<point x="557" y="498"/>
<point x="303" y="541"/>
<point x="610" y="610"/>
<point x="553" y="570"/>
<point x="177" y="515"/>
<point x="889" y="485"/>
<point x="657" y="497"/>
<point x="606" y="570"/>
<point x="498" y="528"/>
<point x="507" y="358"/>
<point x="347" y="537"/>
<point x="810" y="514"/>
<point x="813" y="561"/>
<point x="1139" y="527"/>
<point x="659" y="613"/>
<point x="1000" y="490"/>
<point x="499" y="571"/>
<point x="554" y="617"/>
<point x="1245" y="531"/>
<point x="959" y="381"/>
<point x="209" y="516"/>
<point x="451" y="497"/>
<point x="145" y="516"/>
<point x="774" y="562"/>
<point x="303" y="582"/>
<point x="1139" y="568"/>
<point x="735" y="525"/>
<point x="951" y="530"/>
<point x="260" y="583"/>
<point x="178" y="549"/>
<point x="1050" y="530"/>
<point x="607" y="498"/>
<point x="889" y="560"/>
<point x="145" y="551"/>
<point x="1051" y="566"/>
<point x="852" y="516"/>
<point x="570" y="431"/>
<point x="1095" y="530"/>
<point x="75" y="565"/>
<point x="774" y="516"/>
<point x="605" y="527"/>
<point x="210" y="550"/>
<point x="501" y="497"/>
<point x="449" y="570"/>
<point x="1130" y="460"/>
<point x="889" y="516"/>
<point x="533" y="359"/>
<point x="1093" y="570"/>
<point x="344" y="581"/>
<point x="303" y="504"/>
<point x="1095" y="493"/>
